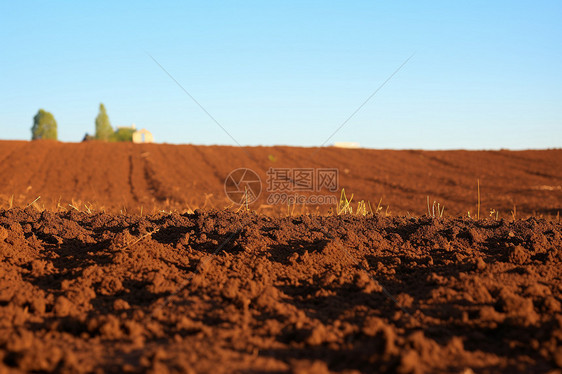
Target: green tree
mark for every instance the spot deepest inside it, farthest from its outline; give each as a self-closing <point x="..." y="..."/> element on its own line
<point x="104" y="131"/>
<point x="44" y="126"/>
<point x="123" y="135"/>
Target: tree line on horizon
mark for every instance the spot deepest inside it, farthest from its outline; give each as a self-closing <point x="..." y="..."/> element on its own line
<point x="45" y="127"/>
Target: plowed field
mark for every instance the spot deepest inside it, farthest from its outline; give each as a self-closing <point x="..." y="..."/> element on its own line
<point x="227" y="292"/>
<point x="128" y="177"/>
<point x="122" y="258"/>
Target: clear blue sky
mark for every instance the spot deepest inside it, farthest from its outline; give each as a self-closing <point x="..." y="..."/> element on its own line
<point x="485" y="74"/>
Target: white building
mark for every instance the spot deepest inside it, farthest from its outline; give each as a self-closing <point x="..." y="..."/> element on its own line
<point x="346" y="145"/>
<point x="142" y="136"/>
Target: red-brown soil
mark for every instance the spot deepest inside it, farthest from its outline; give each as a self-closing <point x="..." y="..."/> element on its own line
<point x="217" y="291"/>
<point x="130" y="177"/>
<point x="108" y="269"/>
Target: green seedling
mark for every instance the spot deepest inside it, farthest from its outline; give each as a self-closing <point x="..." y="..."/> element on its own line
<point x="440" y="209"/>
<point x="345" y="204"/>
<point x="32" y="203"/>
<point x="244" y="201"/>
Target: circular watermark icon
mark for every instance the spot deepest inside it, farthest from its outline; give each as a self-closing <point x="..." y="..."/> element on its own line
<point x="242" y="186"/>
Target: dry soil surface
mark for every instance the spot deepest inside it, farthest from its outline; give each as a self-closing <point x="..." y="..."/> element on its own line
<point x="217" y="291"/>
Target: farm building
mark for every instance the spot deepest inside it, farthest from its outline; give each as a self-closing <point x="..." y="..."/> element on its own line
<point x="142" y="136"/>
<point x="346" y="145"/>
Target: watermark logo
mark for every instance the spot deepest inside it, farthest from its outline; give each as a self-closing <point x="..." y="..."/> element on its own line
<point x="302" y="179"/>
<point x="242" y="186"/>
<point x="284" y="186"/>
